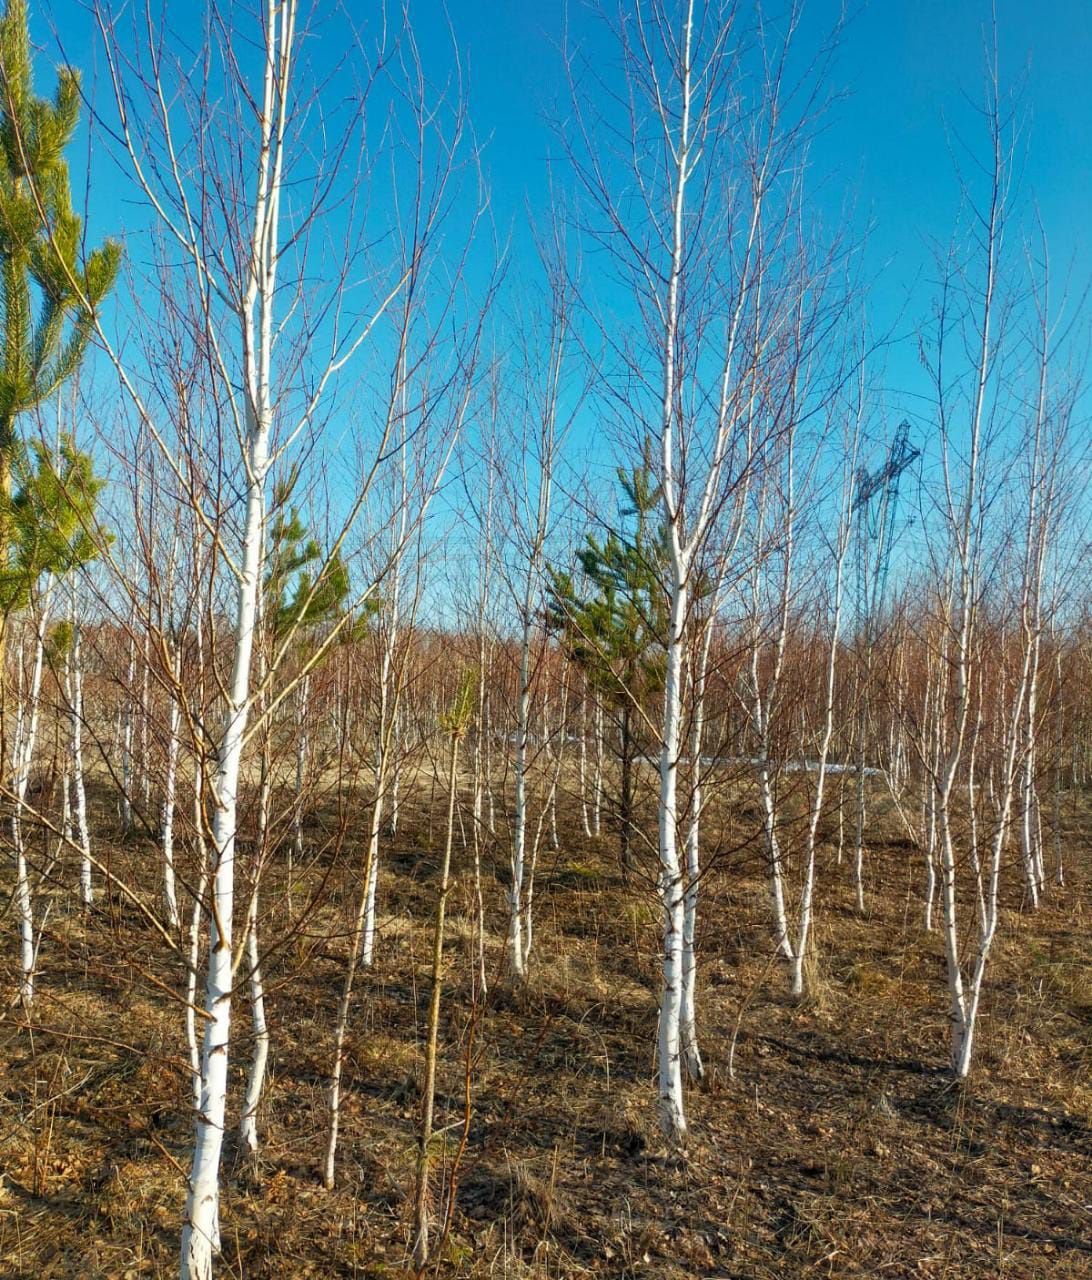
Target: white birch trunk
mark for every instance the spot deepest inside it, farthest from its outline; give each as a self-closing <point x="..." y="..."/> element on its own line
<point x="804" y="919"/>
<point x="764" y="699"/>
<point x="774" y="860"/>
<point x="356" y="940"/>
<point x="170" y="787"/>
<point x="859" y="828"/>
<point x="66" y="817"/>
<point x="193" y="956"/>
<point x="200" y="1231"/>
<point x="582" y="762"/>
<point x="362" y="937"/>
<point x="145" y="718"/>
<point x="519" y="823"/>
<point x="255" y="1082"/>
<point x="597" y="774"/>
<point x="74" y="692"/>
<point x="670" y="883"/>
<point x="688" y="1030"/>
<point x="303" y="743"/>
<point x="25" y="739"/>
<point x="386" y="747"/>
<point x="197" y="913"/>
<point x="555" y="754"/>
<point x="395" y="808"/>
<point x="1059" y="868"/>
<point x="670" y="880"/>
<point x="127" y="735"/>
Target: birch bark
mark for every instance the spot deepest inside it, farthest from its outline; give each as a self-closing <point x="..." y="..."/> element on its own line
<point x="200" y="1231"/>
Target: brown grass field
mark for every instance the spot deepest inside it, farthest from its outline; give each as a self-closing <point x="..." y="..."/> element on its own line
<point x="840" y="1148"/>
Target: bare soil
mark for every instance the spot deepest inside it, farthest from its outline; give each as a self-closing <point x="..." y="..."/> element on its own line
<point x="840" y="1148"/>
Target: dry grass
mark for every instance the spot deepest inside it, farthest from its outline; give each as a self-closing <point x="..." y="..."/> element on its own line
<point x="840" y="1148"/>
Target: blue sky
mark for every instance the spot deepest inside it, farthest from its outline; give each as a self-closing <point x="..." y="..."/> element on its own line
<point x="912" y="76"/>
<point x="911" y="72"/>
<point x="907" y="68"/>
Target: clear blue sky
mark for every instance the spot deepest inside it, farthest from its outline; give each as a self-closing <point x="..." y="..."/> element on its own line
<point x="906" y="66"/>
<point x="912" y="72"/>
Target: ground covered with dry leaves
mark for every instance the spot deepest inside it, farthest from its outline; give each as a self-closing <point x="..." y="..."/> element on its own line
<point x="839" y="1148"/>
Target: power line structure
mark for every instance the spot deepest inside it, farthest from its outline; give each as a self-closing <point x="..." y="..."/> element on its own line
<point x="876" y="505"/>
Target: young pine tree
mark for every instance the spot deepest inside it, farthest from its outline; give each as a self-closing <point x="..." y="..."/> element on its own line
<point x="48" y="285"/>
<point x="612" y="618"/>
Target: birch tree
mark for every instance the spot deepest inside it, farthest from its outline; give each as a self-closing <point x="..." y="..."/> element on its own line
<point x="834" y="550"/>
<point x="430" y="380"/>
<point x="540" y="379"/>
<point x="272" y="354"/>
<point x="302" y="590"/>
<point x="253" y="303"/>
<point x="976" y="315"/>
<point x="712" y="157"/>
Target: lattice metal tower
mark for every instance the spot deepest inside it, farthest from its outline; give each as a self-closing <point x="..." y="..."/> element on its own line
<point x="876" y="505"/>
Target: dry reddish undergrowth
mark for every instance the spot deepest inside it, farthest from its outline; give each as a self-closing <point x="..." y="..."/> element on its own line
<point x="840" y="1148"/>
